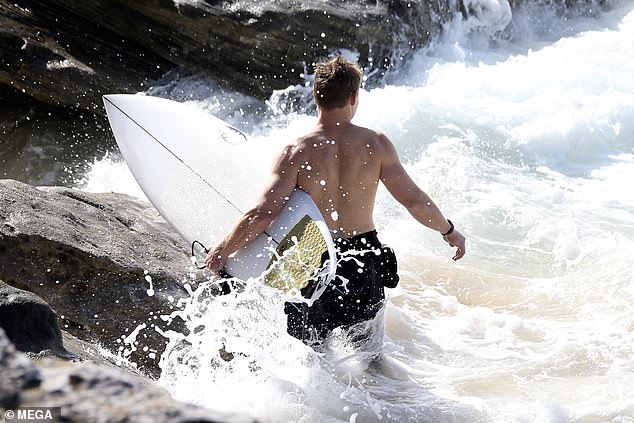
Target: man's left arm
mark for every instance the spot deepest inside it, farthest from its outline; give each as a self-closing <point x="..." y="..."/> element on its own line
<point x="254" y="222"/>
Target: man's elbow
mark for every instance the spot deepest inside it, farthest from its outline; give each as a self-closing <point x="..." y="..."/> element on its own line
<point x="413" y="204"/>
<point x="259" y="220"/>
<point x="418" y="208"/>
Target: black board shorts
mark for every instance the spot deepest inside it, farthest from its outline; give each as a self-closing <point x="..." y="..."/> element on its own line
<point x="364" y="268"/>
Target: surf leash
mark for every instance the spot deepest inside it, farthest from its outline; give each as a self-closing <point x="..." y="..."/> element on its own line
<point x="193" y="256"/>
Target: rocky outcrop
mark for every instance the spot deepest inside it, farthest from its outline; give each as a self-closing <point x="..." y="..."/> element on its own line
<point x="30" y="323"/>
<point x="18" y="373"/>
<point x="92" y="256"/>
<point x="90" y="392"/>
<point x="71" y="52"/>
<point x="108" y="264"/>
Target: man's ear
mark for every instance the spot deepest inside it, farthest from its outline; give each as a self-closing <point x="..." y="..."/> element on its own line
<point x="354" y="97"/>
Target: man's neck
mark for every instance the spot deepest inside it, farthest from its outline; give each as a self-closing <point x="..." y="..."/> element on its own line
<point x="334" y="118"/>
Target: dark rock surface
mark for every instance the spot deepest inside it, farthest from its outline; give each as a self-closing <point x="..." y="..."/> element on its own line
<point x="87" y="254"/>
<point x="18" y="373"/>
<point x="29" y="322"/>
<point x="71" y="52"/>
<point x="90" y="392"/>
<point x="43" y="144"/>
<point x="106" y="263"/>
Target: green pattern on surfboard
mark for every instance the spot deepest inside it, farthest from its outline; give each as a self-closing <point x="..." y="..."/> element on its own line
<point x="297" y="258"/>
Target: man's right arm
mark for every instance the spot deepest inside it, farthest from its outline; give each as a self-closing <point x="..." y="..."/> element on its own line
<point x="281" y="184"/>
<point x="416" y="201"/>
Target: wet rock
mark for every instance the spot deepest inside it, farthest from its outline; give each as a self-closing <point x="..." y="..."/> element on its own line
<point x="18" y="373"/>
<point x="90" y="392"/>
<point x="30" y="323"/>
<point x="47" y="145"/>
<point x="108" y="264"/>
<point x="70" y="53"/>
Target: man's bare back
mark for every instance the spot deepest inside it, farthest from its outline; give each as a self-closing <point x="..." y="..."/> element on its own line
<point x="340" y="168"/>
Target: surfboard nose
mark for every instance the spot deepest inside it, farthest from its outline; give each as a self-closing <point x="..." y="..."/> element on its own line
<point x="113" y="98"/>
<point x="109" y="101"/>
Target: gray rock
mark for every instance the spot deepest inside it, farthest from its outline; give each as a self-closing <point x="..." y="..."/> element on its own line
<point x="18" y="373"/>
<point x="93" y="259"/>
<point x="91" y="392"/>
<point x="29" y="322"/>
<point x="70" y="53"/>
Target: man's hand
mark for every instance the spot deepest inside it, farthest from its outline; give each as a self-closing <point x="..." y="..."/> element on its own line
<point x="455" y="239"/>
<point x="216" y="259"/>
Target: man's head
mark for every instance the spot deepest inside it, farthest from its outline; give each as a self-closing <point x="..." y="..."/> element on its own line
<point x="335" y="81"/>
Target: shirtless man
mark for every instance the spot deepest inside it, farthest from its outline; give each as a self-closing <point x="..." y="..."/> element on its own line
<point x="339" y="165"/>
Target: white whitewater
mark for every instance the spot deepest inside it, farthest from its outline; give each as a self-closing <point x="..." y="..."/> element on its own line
<point x="526" y="140"/>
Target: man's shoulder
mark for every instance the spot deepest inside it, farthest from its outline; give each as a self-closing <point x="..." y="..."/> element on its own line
<point x="306" y="139"/>
<point x="370" y="132"/>
<point x="373" y="136"/>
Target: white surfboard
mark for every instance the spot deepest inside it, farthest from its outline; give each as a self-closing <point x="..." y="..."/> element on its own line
<point x="201" y="175"/>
